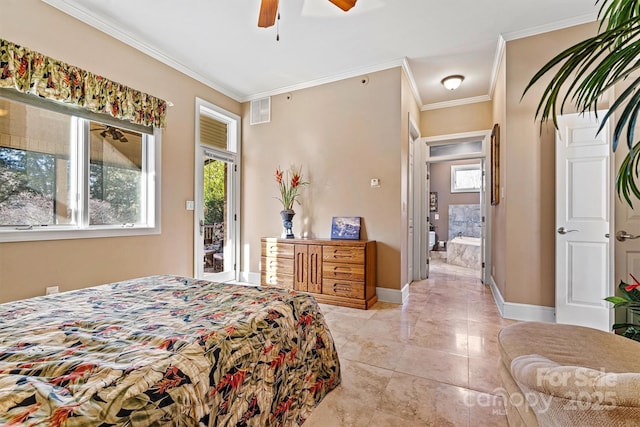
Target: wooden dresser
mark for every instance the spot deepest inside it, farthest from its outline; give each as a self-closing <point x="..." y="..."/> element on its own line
<point x="339" y="272"/>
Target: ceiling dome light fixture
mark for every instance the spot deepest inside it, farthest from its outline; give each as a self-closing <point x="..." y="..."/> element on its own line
<point x="452" y="82"/>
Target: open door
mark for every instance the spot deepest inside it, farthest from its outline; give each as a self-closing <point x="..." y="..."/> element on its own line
<point x="583" y="253"/>
<point x="426" y="212"/>
<point x="216" y="219"/>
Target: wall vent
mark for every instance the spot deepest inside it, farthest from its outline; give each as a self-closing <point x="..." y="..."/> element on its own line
<point x="261" y="111"/>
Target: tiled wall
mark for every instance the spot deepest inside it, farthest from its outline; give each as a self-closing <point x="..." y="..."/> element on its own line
<point x="465" y="219"/>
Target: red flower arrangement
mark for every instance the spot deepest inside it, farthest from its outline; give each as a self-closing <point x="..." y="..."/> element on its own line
<point x="289" y="183"/>
<point x="629" y="299"/>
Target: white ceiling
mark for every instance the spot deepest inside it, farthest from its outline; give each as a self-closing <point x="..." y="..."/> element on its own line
<point x="218" y="41"/>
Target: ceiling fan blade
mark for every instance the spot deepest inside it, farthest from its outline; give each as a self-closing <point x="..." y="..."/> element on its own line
<point x="344" y="4"/>
<point x="268" y="13"/>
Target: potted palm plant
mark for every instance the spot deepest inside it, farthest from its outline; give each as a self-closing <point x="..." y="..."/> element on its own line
<point x="583" y="73"/>
<point x="580" y="76"/>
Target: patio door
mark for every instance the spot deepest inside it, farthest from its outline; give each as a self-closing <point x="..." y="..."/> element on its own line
<point x="216" y="226"/>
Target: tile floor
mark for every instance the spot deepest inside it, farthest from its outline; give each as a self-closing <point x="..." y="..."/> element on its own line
<point x="429" y="362"/>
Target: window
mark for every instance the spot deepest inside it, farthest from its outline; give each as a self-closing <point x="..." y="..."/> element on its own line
<point x="466" y="178"/>
<point x="63" y="176"/>
<point x="454" y="149"/>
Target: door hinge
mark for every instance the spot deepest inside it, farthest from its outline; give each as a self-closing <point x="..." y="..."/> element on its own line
<point x="235" y="168"/>
<point x="234" y="267"/>
<point x="483" y="265"/>
<point x="235" y="217"/>
<point x="483" y="219"/>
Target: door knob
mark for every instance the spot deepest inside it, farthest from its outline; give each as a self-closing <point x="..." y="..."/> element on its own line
<point x="563" y="230"/>
<point x="622" y="235"/>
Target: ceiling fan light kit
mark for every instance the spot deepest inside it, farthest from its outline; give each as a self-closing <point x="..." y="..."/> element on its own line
<point x="115" y="134"/>
<point x="269" y="10"/>
<point x="452" y="82"/>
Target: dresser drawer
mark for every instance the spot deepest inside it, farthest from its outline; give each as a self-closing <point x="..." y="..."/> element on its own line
<point x="342" y="288"/>
<point x="276" y="249"/>
<point x="343" y="271"/>
<point x="279" y="280"/>
<point x="277" y="265"/>
<point x="349" y="254"/>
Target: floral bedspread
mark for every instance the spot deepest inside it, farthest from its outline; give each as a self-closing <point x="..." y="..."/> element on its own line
<point x="164" y="351"/>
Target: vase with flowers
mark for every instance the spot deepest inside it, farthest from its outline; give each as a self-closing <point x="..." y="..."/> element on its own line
<point x="289" y="183"/>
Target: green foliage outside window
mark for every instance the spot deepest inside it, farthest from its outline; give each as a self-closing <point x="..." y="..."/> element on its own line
<point x="214" y="194"/>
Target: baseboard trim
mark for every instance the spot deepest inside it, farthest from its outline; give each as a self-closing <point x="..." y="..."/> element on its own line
<point x="523" y="312"/>
<point x="394" y="296"/>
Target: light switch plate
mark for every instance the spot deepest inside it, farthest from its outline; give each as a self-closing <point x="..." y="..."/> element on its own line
<point x="190" y="205"/>
<point x="375" y="182"/>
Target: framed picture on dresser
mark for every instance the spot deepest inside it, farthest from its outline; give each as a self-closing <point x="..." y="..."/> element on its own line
<point x="345" y="227"/>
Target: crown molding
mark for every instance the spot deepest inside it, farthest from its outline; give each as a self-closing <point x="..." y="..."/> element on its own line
<point x="324" y="80"/>
<point x="412" y="81"/>
<point x="84" y="16"/>
<point x="497" y="60"/>
<point x="553" y="26"/>
<point x="456" y="102"/>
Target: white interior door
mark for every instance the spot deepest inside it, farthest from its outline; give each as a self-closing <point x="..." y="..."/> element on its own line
<point x="483" y="228"/>
<point x="427" y="215"/>
<point x="410" y="216"/>
<point x="583" y="257"/>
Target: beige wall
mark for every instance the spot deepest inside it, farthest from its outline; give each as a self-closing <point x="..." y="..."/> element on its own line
<point x="343" y="134"/>
<point x="529" y="253"/>
<point x="459" y="119"/>
<point x="27" y="268"/>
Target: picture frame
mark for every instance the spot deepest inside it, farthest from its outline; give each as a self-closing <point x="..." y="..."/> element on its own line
<point x="345" y="227"/>
<point x="433" y="201"/>
<point x="495" y="165"/>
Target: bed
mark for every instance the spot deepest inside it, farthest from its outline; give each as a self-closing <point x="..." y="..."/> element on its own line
<point x="164" y="351"/>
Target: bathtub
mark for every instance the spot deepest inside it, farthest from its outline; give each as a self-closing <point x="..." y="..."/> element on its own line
<point x="464" y="251"/>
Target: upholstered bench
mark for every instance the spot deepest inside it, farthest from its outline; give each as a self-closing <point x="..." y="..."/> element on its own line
<point x="564" y="375"/>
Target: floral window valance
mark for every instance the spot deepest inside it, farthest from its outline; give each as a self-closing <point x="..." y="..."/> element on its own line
<point x="34" y="73"/>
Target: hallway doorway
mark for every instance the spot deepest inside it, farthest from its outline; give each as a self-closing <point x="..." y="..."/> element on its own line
<point x="457" y="201"/>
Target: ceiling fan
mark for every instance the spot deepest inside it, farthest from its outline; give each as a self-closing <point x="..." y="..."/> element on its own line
<point x="115" y="134"/>
<point x="269" y="10"/>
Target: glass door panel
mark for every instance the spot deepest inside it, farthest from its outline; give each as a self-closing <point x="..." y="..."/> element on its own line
<point x="217" y="217"/>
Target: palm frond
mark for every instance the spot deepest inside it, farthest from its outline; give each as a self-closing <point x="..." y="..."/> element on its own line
<point x="582" y="74"/>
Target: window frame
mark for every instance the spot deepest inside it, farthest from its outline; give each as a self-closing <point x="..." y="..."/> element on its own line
<point x="151" y="201"/>
<point x="467" y="167"/>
